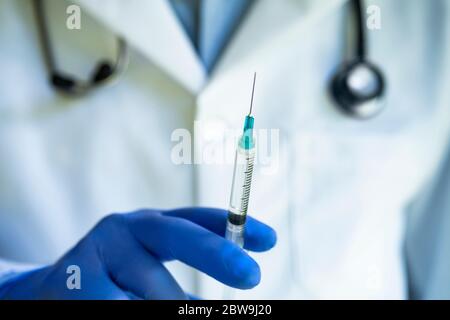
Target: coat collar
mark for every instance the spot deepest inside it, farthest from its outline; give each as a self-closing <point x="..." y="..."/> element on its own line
<point x="152" y="28"/>
<point x="268" y="25"/>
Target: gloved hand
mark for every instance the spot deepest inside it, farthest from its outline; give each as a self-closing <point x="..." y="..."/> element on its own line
<point x="122" y="257"/>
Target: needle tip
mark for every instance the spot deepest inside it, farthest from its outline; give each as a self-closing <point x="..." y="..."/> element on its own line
<point x="253" y="92"/>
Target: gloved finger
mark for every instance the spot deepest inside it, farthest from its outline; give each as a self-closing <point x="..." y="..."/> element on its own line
<point x="258" y="236"/>
<point x="175" y="238"/>
<point x="135" y="270"/>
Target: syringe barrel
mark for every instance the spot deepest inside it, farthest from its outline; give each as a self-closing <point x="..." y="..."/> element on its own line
<point x="240" y="193"/>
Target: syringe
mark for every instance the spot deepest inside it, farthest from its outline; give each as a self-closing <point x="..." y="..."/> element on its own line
<point x="242" y="179"/>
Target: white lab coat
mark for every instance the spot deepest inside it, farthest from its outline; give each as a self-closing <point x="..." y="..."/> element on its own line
<point x="338" y="197"/>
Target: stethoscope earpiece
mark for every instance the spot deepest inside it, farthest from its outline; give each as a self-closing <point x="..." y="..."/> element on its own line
<point x="61" y="82"/>
<point x="104" y="71"/>
<point x="357" y="88"/>
<point x="70" y="85"/>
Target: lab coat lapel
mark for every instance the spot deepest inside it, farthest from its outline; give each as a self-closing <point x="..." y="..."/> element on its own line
<point x="152" y="28"/>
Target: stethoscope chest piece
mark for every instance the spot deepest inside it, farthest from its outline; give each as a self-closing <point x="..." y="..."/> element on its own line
<point x="358" y="88"/>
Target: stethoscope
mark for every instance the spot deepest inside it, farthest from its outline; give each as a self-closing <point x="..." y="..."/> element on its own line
<point x="63" y="82"/>
<point x="356" y="87"/>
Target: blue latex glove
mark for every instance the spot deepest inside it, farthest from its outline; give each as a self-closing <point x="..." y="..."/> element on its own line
<point x="122" y="257"/>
